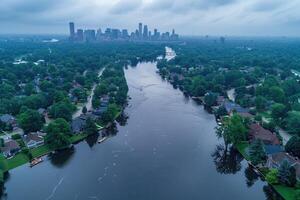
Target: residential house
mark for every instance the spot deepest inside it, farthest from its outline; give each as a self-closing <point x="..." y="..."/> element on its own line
<point x="8" y="119"/>
<point x="10" y="148"/>
<point x="274" y="161"/>
<point x="220" y="100"/>
<point x="78" y="124"/>
<point x="273" y="149"/>
<point x="256" y="131"/>
<point x="33" y="140"/>
<point x="99" y="111"/>
<point x="232" y="107"/>
<point x="42" y="111"/>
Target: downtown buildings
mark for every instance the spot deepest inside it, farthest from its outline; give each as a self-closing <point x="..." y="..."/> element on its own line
<point x="142" y="33"/>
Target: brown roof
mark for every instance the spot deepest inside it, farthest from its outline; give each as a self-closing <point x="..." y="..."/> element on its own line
<point x="34" y="137"/>
<point x="258" y="132"/>
<point x="10" y="145"/>
<point x="281" y="156"/>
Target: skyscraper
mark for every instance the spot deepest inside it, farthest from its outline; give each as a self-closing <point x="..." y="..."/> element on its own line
<point x="145" y="33"/>
<point x="140" y="30"/>
<point x="79" y="34"/>
<point x="99" y="34"/>
<point x="72" y="30"/>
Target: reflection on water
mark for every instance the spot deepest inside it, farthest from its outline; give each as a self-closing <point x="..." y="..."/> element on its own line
<point x="166" y="149"/>
<point x="91" y="140"/>
<point x="227" y="161"/>
<point x="271" y="194"/>
<point x="251" y="176"/>
<point x="61" y="158"/>
<point x="122" y="119"/>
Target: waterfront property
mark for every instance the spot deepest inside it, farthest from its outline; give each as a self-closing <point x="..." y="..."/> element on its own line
<point x="275" y="160"/>
<point x="33" y="140"/>
<point x="257" y="132"/>
<point x="10" y="148"/>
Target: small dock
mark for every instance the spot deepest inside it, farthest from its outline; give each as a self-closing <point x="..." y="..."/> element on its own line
<point x="36" y="161"/>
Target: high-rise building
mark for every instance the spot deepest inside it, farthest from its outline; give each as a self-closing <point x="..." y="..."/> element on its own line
<point x="140" y="30"/>
<point x="72" y="30"/>
<point x="125" y="34"/>
<point x="79" y="35"/>
<point x="145" y="32"/>
<point x="89" y="35"/>
<point x="115" y="34"/>
<point x="99" y="34"/>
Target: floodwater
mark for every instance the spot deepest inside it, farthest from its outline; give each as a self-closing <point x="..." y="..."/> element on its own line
<point x="166" y="148"/>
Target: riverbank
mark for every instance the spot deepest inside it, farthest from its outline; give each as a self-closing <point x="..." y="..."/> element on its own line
<point x="288" y="193"/>
<point x="23" y="157"/>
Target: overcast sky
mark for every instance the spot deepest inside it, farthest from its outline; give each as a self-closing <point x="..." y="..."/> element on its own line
<point x="188" y="17"/>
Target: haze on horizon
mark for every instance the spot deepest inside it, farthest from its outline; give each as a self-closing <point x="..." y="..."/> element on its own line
<point x="188" y="17"/>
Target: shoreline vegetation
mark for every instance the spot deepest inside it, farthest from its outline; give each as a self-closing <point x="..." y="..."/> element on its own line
<point x="244" y="98"/>
<point x="51" y="91"/>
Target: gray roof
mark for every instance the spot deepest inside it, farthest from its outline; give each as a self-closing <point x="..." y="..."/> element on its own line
<point x="77" y="125"/>
<point x="7" y="118"/>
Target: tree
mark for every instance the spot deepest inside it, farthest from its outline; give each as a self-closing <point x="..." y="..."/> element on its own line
<point x="277" y="94"/>
<point x="210" y="99"/>
<point x="272" y="177"/>
<point x="260" y="103"/>
<point x="257" y="153"/>
<point x="110" y="114"/>
<point x="84" y="110"/>
<point x="221" y="111"/>
<point x="293" y="146"/>
<point x="30" y="121"/>
<point x="293" y="122"/>
<point x="62" y="110"/>
<point x="234" y="130"/>
<point x="278" y="111"/>
<point x="57" y="132"/>
<point x="90" y="127"/>
<point x="287" y="174"/>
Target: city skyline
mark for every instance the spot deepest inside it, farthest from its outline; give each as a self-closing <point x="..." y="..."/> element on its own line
<point x="188" y="17"/>
<point x="141" y="33"/>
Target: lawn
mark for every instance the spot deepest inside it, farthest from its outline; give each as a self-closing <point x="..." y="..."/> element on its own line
<point x="17" y="160"/>
<point x="287" y="193"/>
<point x="40" y="151"/>
<point x="77" y="137"/>
<point x="242" y="147"/>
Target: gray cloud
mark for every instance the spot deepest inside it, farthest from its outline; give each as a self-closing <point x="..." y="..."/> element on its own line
<point x="218" y="17"/>
<point x="267" y="5"/>
<point x="123" y="7"/>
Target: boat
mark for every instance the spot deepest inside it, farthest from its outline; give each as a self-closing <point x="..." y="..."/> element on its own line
<point x="102" y="139"/>
<point x="36" y="161"/>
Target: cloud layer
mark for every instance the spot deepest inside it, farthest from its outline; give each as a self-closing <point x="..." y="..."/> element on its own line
<point x="188" y="17"/>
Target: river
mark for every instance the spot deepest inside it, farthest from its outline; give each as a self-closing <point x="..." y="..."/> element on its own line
<point x="166" y="149"/>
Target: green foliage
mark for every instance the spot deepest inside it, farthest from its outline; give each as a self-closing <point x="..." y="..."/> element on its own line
<point x="260" y="103"/>
<point x="293" y="122"/>
<point x="257" y="153"/>
<point x="293" y="146"/>
<point x="234" y="129"/>
<point x="297" y="195"/>
<point x="110" y="114"/>
<point x="30" y="121"/>
<point x="272" y="177"/>
<point x="84" y="110"/>
<point x="278" y="111"/>
<point x="287" y="174"/>
<point x="90" y="127"/>
<point x="210" y="99"/>
<point x="57" y="132"/>
<point x="62" y="110"/>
